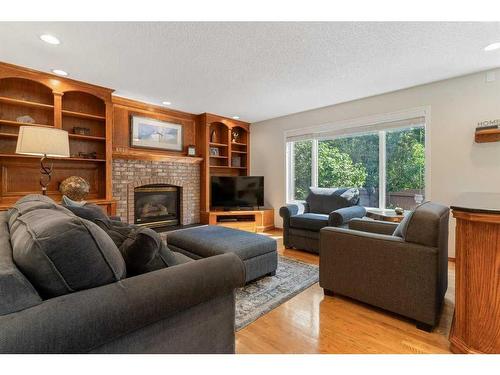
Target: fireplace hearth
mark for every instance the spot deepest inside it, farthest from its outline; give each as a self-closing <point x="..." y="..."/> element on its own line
<point x="157" y="205"/>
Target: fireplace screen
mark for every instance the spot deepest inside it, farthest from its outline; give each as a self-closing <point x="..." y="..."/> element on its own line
<point x="156" y="205"/>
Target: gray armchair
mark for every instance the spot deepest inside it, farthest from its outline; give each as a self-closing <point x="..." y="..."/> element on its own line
<point x="323" y="207"/>
<point x="401" y="268"/>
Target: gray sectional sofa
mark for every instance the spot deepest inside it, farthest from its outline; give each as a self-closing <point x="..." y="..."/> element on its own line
<point x="83" y="301"/>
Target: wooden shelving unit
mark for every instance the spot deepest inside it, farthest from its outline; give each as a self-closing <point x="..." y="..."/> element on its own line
<point x="216" y="132"/>
<point x="52" y="101"/>
<point x="487" y="135"/>
<point x="25" y="103"/>
<point x="83" y="115"/>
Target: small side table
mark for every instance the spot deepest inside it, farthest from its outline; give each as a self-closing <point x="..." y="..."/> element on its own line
<point x="385" y="215"/>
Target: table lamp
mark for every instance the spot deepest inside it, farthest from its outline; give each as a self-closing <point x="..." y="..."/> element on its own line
<point x="44" y="142"/>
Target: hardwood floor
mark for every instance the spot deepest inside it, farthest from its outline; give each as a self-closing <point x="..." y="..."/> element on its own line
<point x="313" y="323"/>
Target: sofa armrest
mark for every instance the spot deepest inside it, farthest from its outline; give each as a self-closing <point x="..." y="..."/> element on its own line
<point x="82" y="321"/>
<point x="373" y="226"/>
<point x="342" y="216"/>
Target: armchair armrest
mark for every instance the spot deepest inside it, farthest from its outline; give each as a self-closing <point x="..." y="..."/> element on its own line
<point x="373" y="226"/>
<point x="286" y="212"/>
<point x="342" y="216"/>
<point x="82" y="321"/>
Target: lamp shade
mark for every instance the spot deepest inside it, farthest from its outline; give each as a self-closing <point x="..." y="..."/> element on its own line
<point x="35" y="140"/>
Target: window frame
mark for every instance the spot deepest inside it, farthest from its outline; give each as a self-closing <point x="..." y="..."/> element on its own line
<point x="289" y="149"/>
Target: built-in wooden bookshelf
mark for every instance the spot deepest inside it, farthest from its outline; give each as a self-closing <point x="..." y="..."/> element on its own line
<point x="31" y="98"/>
<point x="223" y="154"/>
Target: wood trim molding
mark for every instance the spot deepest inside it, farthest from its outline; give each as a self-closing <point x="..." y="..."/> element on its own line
<point x="131" y="155"/>
<point x="478" y="217"/>
<point x="151" y="108"/>
<point x="58" y="84"/>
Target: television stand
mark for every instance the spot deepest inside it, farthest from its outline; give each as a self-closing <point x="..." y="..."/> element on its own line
<point x="249" y="220"/>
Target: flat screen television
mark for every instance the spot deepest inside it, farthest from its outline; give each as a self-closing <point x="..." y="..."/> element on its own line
<point x="237" y="192"/>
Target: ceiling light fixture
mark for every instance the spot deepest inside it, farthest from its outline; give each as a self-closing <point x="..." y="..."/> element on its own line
<point x="59" y="72"/>
<point x="236" y="117"/>
<point x="166" y="103"/>
<point x="51" y="39"/>
<point x="492" y="47"/>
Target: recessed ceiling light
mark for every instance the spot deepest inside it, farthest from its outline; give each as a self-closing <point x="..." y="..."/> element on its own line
<point x="51" y="39"/>
<point x="492" y="46"/>
<point x="236" y="117"/>
<point x="166" y="103"/>
<point x="59" y="72"/>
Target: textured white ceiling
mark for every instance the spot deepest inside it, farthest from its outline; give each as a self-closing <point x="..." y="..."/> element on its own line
<point x="255" y="70"/>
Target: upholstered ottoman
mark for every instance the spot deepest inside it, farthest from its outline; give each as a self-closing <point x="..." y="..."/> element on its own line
<point x="257" y="252"/>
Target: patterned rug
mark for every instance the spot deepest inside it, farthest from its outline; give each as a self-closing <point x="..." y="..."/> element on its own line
<point x="267" y="293"/>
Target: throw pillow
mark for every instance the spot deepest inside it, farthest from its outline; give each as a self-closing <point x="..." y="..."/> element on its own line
<point x="90" y="211"/>
<point x="70" y="202"/>
<point x="61" y="253"/>
<point x="144" y="251"/>
<point x="117" y="230"/>
<point x="402" y="227"/>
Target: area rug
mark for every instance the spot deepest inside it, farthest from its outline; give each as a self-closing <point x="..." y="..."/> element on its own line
<point x="267" y="293"/>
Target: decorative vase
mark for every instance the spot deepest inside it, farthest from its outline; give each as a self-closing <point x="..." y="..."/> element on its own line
<point x="236" y="135"/>
<point x="75" y="188"/>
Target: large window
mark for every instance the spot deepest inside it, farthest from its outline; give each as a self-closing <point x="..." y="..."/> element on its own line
<point x="387" y="165"/>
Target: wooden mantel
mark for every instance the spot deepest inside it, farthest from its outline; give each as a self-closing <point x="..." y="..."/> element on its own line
<point x="130" y="154"/>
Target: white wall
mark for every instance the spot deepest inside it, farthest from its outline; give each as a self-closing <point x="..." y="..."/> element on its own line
<point x="457" y="163"/>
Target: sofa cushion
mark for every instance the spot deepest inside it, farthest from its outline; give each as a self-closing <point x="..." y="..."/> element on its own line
<point x="16" y="292"/>
<point x="309" y="221"/>
<point x="304" y="233"/>
<point x="61" y="253"/>
<point x="144" y="251"/>
<point x="326" y="200"/>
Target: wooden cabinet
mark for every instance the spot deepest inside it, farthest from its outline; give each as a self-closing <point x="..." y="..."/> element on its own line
<point x="31" y="98"/>
<point x="476" y="322"/>
<point x="251" y="221"/>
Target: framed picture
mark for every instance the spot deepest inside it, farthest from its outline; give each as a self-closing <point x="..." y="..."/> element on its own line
<point x="214" y="151"/>
<point x="151" y="133"/>
<point x="191" y="150"/>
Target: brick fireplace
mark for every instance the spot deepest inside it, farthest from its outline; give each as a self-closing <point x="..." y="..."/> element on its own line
<point x="131" y="174"/>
